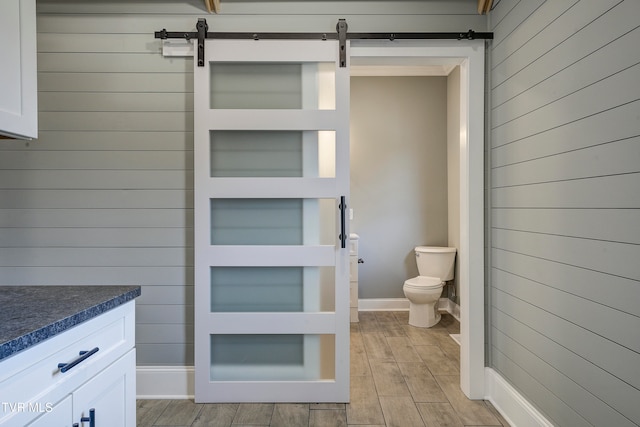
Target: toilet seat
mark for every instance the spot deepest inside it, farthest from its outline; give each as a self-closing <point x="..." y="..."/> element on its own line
<point x="424" y="282"/>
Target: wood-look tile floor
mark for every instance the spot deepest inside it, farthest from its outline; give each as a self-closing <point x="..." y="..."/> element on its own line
<point x="401" y="376"/>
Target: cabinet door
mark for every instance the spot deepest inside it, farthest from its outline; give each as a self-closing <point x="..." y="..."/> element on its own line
<point x="18" y="74"/>
<point x="111" y="393"/>
<point x="59" y="415"/>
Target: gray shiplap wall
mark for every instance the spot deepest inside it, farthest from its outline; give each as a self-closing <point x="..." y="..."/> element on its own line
<point x="105" y="194"/>
<point x="565" y="206"/>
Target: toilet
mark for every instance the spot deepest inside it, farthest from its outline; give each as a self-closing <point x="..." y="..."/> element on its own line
<point x="435" y="267"/>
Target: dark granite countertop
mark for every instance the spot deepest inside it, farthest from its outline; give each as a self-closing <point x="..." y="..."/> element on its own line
<point x="31" y="314"/>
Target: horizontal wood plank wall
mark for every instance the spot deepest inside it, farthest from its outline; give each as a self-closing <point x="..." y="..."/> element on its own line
<point x="105" y="195"/>
<point x="565" y="206"/>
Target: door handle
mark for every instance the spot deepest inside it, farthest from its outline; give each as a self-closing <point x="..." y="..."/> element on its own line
<point x="343" y="213"/>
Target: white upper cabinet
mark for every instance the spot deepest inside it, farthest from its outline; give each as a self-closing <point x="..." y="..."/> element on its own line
<point x="18" y="74"/>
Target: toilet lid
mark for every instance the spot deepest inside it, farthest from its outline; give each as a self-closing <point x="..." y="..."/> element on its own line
<point x="424" y="282"/>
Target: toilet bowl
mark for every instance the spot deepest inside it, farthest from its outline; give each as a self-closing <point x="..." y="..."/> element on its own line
<point x="423" y="294"/>
<point x="435" y="266"/>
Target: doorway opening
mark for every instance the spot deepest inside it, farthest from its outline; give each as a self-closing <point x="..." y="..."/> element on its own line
<point x="417" y="57"/>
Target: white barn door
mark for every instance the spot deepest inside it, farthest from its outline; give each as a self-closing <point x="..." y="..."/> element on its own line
<point x="271" y="150"/>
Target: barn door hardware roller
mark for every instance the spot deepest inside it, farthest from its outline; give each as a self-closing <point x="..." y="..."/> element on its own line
<point x="341" y="35"/>
<point x="202" y="28"/>
<point x="341" y="27"/>
<point x="201" y="34"/>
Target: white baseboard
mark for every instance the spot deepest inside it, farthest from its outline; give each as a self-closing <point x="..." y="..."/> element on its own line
<point x="165" y="382"/>
<point x="445" y="304"/>
<point x="402" y="304"/>
<point x="383" y="304"/>
<point x="510" y="403"/>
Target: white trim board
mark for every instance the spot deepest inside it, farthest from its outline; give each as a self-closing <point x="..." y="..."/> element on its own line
<point x="515" y="409"/>
<point x="402" y="304"/>
<point x="383" y="304"/>
<point x="165" y="382"/>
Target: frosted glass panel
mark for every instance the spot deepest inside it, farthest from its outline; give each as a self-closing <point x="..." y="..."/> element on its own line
<point x="250" y="349"/>
<point x="272" y="154"/>
<point x="261" y="85"/>
<point x="254" y="357"/>
<point x="256" y="221"/>
<point x="272" y="289"/>
<point x="255" y="153"/>
<point x="256" y="289"/>
<point x="273" y="221"/>
<point x="256" y="85"/>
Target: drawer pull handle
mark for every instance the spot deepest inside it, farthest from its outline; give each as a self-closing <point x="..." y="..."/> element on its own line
<point x="64" y="367"/>
<point x="91" y="419"/>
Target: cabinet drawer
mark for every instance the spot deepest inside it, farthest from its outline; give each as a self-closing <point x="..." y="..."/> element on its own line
<point x="33" y="377"/>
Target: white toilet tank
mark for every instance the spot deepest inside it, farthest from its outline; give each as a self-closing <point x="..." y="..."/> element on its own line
<point x="436" y="261"/>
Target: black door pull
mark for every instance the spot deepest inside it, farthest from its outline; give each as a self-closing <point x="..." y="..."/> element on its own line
<point x="343" y="212"/>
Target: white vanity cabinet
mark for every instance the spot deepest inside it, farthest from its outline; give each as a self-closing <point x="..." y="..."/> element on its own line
<point x="36" y="393"/>
<point x="18" y="72"/>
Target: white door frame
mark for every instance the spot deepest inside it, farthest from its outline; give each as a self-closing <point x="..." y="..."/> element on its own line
<point x="469" y="55"/>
